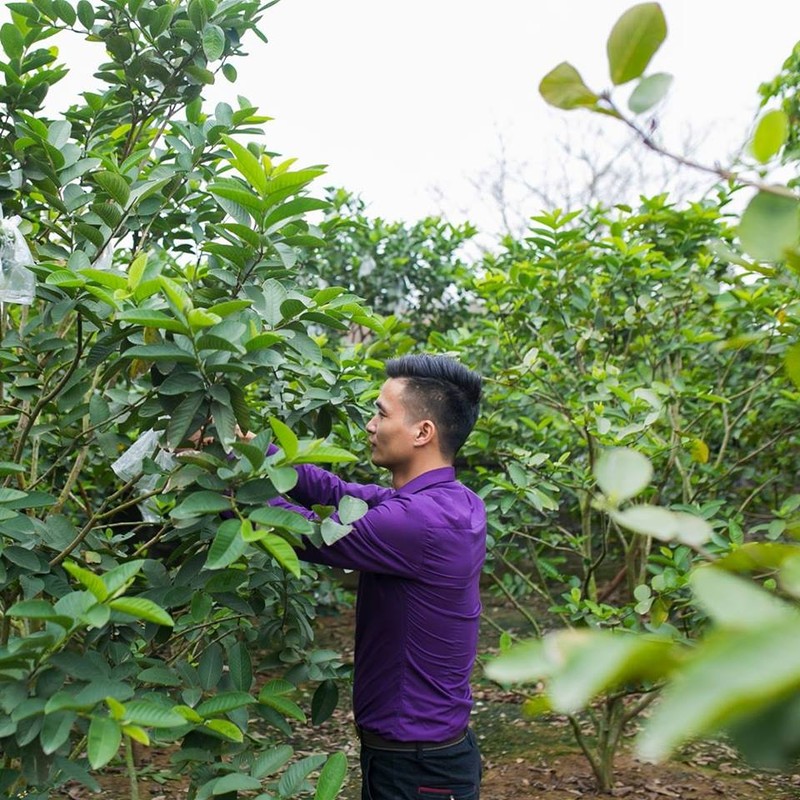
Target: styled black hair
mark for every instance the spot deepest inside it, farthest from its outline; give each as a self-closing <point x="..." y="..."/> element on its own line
<point x="443" y="390"/>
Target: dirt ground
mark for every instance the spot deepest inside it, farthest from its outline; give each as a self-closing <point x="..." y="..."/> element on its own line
<point x="523" y="758"/>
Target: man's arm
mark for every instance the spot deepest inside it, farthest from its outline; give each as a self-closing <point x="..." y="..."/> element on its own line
<point x="317" y="486"/>
<point x="385" y="540"/>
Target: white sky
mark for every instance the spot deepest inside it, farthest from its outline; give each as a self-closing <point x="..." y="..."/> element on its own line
<point x="399" y="99"/>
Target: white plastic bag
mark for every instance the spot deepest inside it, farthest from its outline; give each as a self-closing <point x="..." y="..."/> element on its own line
<point x="129" y="464"/>
<point x="17" y="282"/>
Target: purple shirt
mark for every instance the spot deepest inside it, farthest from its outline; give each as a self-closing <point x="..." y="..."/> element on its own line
<point x="420" y="551"/>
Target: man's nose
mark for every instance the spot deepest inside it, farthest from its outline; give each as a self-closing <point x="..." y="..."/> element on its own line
<point x="371" y="426"/>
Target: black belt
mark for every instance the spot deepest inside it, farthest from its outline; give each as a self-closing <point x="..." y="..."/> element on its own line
<point x="377" y="742"/>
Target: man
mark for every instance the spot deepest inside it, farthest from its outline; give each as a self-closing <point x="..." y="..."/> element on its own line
<point x="419" y="548"/>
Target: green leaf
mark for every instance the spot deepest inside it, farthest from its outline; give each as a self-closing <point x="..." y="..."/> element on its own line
<point x="65" y="10"/>
<point x="283" y="518"/>
<point x="223" y="703"/>
<point x="162" y="16"/>
<point x="293" y="777"/>
<point x="55" y="730"/>
<point x="665" y="525"/>
<point x="228" y="545"/>
<point x="152" y="715"/>
<point x="210" y="667"/>
<point x="649" y="92"/>
<point x="247" y="163"/>
<point x="213" y="41"/>
<point x="142" y="608"/>
<point x="283" y="552"/>
<point x="199" y="318"/>
<point x="770" y="135"/>
<point x="181" y="418"/>
<point x="235" y="782"/>
<point x="770" y="225"/>
<point x="332" y="531"/>
<point x="730" y="675"/>
<point x="12" y="40"/>
<point x="94" y="583"/>
<point x="271" y="761"/>
<point x="733" y="602"/>
<point x="320" y="453"/>
<point x="152" y="318"/>
<point x="332" y="777"/>
<point x="324" y="702"/>
<point x="159" y="352"/>
<point x="563" y="87"/>
<point x="122" y="576"/>
<point x="115" y="185"/>
<point x="525" y="662"/>
<point x="104" y="739"/>
<point x="792" y="363"/>
<point x="199" y="504"/>
<point x="240" y="667"/>
<point x="351" y="509"/>
<point x="622" y="473"/>
<point x="176" y="295"/>
<point x="286" y="438"/>
<point x="85" y="13"/>
<point x="284" y="706"/>
<point x="634" y="40"/>
<point x="226" y="729"/>
<point x="229" y="71"/>
<point x="40" y="609"/>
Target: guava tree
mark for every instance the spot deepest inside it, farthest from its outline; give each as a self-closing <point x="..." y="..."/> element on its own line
<point x="149" y="307"/>
<point x="742" y="676"/>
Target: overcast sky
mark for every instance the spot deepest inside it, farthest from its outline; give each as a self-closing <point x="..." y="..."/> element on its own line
<point x="405" y="102"/>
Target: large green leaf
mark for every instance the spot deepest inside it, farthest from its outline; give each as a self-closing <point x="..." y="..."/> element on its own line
<point x="770" y="135"/>
<point x="331" y="777"/>
<point x="665" y="525"/>
<point x="274" y="517"/>
<point x="792" y="362"/>
<point x="271" y="761"/>
<point x="56" y="729"/>
<point x="143" y="609"/>
<point x="734" y="602"/>
<point x="213" y="41"/>
<point x="324" y="701"/>
<point x="104" y="737"/>
<point x="94" y="583"/>
<point x="199" y="504"/>
<point x="152" y="715"/>
<point x="634" y="40"/>
<point x="39" y="609"/>
<point x="563" y="87"/>
<point x="732" y="674"/>
<point x="235" y="782"/>
<point x="286" y="437"/>
<point x="240" y="667"/>
<point x="622" y="473"/>
<point x="247" y="163"/>
<point x="770" y="226"/>
<point x="228" y="545"/>
<point x="283" y="552"/>
<point x="224" y="702"/>
<point x="293" y="777"/>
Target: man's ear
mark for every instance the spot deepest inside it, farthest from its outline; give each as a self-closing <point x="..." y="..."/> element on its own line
<point x="426" y="432"/>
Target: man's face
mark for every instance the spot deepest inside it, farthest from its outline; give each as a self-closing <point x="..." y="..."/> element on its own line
<point x="391" y="435"/>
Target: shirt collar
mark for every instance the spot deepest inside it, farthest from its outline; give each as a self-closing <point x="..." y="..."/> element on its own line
<point x="427" y="479"/>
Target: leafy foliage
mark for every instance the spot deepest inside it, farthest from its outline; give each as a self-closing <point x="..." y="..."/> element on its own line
<point x="136" y="575"/>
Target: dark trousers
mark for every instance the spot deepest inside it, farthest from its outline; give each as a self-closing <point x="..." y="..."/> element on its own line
<point x="452" y="773"/>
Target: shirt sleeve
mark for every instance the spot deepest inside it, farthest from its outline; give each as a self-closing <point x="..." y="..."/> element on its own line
<point x="386" y="540"/>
